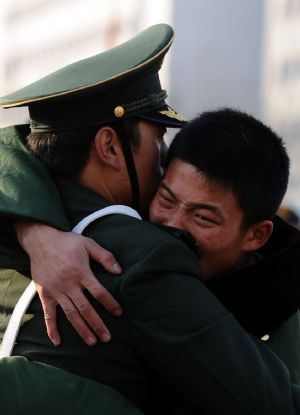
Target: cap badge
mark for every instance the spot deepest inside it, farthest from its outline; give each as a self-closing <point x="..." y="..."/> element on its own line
<point x="172" y="114"/>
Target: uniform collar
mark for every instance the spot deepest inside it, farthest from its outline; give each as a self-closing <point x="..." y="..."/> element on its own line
<point x="79" y="201"/>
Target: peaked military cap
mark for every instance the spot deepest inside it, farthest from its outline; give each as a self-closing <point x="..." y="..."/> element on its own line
<point x="120" y="83"/>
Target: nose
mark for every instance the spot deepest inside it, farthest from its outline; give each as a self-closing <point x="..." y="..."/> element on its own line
<point x="175" y="220"/>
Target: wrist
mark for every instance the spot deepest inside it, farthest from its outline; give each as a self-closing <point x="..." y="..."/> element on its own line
<point x="28" y="233"/>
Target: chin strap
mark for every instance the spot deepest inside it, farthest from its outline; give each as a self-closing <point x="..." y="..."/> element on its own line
<point x="131" y="170"/>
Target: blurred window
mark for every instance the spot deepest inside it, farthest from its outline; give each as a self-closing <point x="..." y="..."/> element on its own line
<point x="292" y="7"/>
<point x="290" y="69"/>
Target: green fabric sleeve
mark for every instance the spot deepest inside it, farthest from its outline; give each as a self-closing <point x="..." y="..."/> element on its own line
<point x="27" y="191"/>
<point x="285" y="341"/>
<point x="36" y="388"/>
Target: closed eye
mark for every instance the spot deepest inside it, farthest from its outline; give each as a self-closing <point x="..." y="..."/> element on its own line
<point x="165" y="201"/>
<point x="204" y="220"/>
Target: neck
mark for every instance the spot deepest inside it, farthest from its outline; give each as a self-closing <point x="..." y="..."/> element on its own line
<point x="108" y="184"/>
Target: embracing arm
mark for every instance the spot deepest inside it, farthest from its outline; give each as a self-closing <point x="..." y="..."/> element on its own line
<point x="59" y="260"/>
<point x="27" y="191"/>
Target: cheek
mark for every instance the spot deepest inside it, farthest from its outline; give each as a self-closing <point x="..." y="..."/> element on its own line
<point x="156" y="214"/>
<point x="207" y="240"/>
<point x="149" y="176"/>
<point x="152" y="164"/>
<point x="155" y="172"/>
<point x="217" y="248"/>
<point x="155" y="155"/>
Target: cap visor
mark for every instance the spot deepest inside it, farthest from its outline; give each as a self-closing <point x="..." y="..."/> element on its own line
<point x="167" y="116"/>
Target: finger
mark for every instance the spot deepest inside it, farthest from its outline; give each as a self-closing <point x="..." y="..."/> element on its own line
<point x="49" y="308"/>
<point x="77" y="321"/>
<point x="104" y="257"/>
<point x="90" y="315"/>
<point x="102" y="295"/>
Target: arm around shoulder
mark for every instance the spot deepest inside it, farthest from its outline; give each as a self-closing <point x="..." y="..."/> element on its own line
<point x="27" y="191"/>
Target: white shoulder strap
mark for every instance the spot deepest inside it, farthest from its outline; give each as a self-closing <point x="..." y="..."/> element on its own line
<point x="13" y="326"/>
<point x="110" y="210"/>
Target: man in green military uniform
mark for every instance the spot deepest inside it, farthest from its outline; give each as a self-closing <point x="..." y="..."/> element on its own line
<point x="165" y="350"/>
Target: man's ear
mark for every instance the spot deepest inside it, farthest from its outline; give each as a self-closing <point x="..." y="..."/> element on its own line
<point x="108" y="147"/>
<point x="258" y="235"/>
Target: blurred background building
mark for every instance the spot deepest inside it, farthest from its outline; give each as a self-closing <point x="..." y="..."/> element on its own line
<point x="239" y="53"/>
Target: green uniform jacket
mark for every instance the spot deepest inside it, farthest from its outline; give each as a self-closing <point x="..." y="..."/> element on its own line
<point x="176" y="344"/>
<point x="35" y="388"/>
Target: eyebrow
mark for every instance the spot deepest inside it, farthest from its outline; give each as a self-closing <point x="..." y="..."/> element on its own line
<point x="212" y="208"/>
<point x="163" y="184"/>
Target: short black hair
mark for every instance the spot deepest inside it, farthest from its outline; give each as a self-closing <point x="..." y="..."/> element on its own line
<point x="239" y="153"/>
<point x="66" y="153"/>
